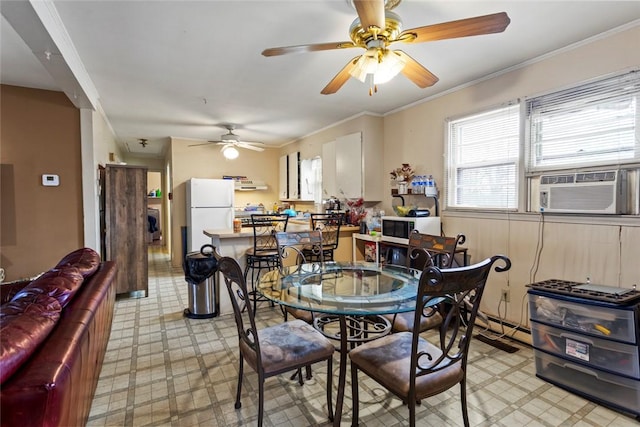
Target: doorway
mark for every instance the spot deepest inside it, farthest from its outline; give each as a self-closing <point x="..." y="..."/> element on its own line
<point x="155" y="209"/>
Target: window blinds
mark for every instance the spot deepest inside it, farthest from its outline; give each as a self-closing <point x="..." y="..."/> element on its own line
<point x="589" y="125"/>
<point x="483" y="160"/>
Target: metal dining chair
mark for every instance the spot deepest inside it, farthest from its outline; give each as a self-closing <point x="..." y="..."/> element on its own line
<point x="293" y="248"/>
<point x="329" y="224"/>
<point x="413" y="368"/>
<point x="273" y="350"/>
<point x="426" y="250"/>
<point x="263" y="255"/>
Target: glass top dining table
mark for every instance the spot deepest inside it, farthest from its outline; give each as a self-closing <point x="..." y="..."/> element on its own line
<point x="343" y="288"/>
<point x="351" y="293"/>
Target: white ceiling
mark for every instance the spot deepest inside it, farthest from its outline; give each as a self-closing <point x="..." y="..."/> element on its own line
<point x="185" y="68"/>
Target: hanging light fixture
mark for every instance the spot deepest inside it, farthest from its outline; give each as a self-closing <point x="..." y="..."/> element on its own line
<point x="377" y="65"/>
<point x="230" y="152"/>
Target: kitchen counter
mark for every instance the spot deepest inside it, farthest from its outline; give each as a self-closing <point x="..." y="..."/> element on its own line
<point x="235" y="245"/>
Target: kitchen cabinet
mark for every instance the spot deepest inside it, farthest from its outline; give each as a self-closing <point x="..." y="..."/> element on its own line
<point x="329" y="170"/>
<point x="587" y="346"/>
<point x="126" y="226"/>
<point x="294" y="175"/>
<point x="283" y="180"/>
<point x="289" y="177"/>
<point x="351" y="168"/>
<point x="307" y="179"/>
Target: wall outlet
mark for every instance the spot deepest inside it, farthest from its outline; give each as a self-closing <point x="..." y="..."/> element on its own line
<point x="505" y="295"/>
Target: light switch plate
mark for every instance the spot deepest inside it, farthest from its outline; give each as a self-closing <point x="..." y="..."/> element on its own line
<point x="50" y="180"/>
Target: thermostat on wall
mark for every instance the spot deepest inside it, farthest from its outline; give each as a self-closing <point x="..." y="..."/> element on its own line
<point x="49" y="180"/>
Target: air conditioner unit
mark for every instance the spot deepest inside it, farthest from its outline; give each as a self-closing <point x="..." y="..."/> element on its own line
<point x="600" y="192"/>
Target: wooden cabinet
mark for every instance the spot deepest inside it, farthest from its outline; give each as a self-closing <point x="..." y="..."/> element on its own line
<point x="126" y="225"/>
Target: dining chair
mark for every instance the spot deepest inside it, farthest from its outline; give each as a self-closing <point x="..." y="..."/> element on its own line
<point x="413" y="368"/>
<point x="329" y="224"/>
<point x="264" y="253"/>
<point x="426" y="250"/>
<point x="293" y="249"/>
<point x="272" y="350"/>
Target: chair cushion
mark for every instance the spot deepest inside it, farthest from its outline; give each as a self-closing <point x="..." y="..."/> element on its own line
<point x="287" y="346"/>
<point x="261" y="253"/>
<point x="403" y="322"/>
<point x="304" y="315"/>
<point x="387" y="360"/>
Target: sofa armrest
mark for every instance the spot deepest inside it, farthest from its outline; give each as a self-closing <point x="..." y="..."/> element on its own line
<point x="9" y="289"/>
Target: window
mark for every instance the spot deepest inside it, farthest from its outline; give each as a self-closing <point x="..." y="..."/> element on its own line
<point x="595" y="124"/>
<point x="483" y="160"/>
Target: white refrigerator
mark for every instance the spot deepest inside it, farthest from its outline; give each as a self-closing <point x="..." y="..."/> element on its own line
<point x="209" y="206"/>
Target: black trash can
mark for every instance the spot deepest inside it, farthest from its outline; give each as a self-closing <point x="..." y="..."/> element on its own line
<point x="199" y="272"/>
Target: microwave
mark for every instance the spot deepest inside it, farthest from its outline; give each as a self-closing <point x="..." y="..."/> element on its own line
<point x="396" y="229"/>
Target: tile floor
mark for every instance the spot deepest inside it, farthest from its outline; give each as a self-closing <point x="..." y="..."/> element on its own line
<point x="164" y="369"/>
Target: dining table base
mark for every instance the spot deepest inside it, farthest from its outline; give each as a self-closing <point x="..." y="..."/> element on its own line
<point x="352" y="331"/>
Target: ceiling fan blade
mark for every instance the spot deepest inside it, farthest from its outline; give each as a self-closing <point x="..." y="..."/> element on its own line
<point x="487" y="24"/>
<point x="250" y="146"/>
<point x="341" y="78"/>
<point x="371" y="13"/>
<point x="415" y="72"/>
<point x="275" y="51"/>
<point x="202" y="143"/>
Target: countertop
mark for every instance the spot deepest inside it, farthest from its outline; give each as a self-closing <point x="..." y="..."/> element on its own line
<point x="299" y="225"/>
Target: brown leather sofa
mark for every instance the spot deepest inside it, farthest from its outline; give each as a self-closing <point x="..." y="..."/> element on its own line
<point x="55" y="331"/>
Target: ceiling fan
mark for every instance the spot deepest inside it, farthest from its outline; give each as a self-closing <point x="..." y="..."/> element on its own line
<point x="230" y="143"/>
<point x="376" y="29"/>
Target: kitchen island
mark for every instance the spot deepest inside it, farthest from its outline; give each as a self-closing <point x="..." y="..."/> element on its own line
<point x="235" y="245"/>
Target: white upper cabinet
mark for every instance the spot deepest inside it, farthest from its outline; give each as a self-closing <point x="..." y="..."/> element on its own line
<point x="349" y="170"/>
<point x="329" y="170"/>
<point x="307" y="180"/>
<point x="349" y="166"/>
<point x="294" y="174"/>
<point x="283" y="180"/>
<point x="289" y="178"/>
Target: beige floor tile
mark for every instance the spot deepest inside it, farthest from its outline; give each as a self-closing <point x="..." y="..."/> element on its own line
<point x="184" y="371"/>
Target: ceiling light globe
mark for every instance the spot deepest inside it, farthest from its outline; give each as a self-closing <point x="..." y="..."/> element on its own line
<point x="230" y="152"/>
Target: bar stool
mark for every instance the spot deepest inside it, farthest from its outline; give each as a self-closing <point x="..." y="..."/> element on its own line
<point x="329" y="225"/>
<point x="264" y="254"/>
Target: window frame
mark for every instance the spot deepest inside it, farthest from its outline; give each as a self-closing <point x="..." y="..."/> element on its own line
<point x="451" y="169"/>
<point x="533" y="170"/>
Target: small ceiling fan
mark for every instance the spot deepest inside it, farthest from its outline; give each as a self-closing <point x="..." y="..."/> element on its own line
<point x="376" y="29"/>
<point x="230" y="143"/>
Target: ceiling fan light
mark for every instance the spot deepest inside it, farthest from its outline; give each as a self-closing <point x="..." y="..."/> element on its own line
<point x="366" y="64"/>
<point x="382" y="66"/>
<point x="230" y="152"/>
<point x="389" y="67"/>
